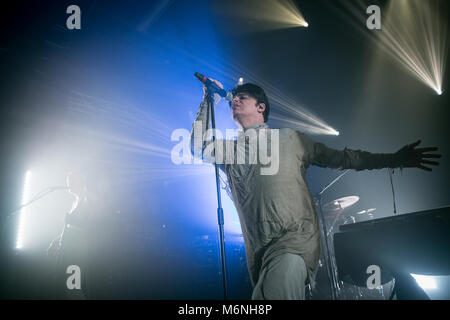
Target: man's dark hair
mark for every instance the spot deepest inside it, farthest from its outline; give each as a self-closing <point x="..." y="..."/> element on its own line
<point x="256" y="92"/>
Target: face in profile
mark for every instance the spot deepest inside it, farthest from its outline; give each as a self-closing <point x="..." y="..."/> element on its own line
<point x="243" y="105"/>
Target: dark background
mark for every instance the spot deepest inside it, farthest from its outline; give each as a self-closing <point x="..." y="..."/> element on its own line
<point x="134" y="62"/>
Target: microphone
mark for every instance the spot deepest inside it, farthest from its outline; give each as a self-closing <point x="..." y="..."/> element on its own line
<point x="214" y="87"/>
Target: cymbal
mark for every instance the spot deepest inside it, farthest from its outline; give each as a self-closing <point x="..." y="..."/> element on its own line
<point x="368" y="211"/>
<point x="340" y="204"/>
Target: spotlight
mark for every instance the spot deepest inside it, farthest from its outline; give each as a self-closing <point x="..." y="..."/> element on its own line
<point x="273" y="14"/>
<point x="415" y="35"/>
<point x="241" y="81"/>
<point x="425" y="282"/>
<point x="418" y="43"/>
<point x="305" y="24"/>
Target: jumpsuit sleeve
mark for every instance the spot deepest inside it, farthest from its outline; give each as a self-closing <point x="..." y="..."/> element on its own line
<point x="202" y="147"/>
<point x="323" y="156"/>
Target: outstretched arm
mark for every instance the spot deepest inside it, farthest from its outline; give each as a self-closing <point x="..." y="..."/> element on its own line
<point x="407" y="157"/>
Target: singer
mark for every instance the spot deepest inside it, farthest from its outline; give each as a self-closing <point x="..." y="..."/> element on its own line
<point x="277" y="213"/>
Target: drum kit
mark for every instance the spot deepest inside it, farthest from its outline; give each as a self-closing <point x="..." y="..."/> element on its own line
<point x="335" y="213"/>
<point x="331" y="216"/>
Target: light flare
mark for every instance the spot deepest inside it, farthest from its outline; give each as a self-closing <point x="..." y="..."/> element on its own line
<point x="267" y="15"/>
<point x="413" y="32"/>
<point x="23" y="210"/>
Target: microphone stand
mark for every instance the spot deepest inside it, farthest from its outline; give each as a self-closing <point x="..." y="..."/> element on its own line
<point x="210" y="100"/>
<point x="329" y="266"/>
<point x="40" y="195"/>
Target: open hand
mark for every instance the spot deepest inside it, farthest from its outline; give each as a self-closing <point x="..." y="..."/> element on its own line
<point x="411" y="157"/>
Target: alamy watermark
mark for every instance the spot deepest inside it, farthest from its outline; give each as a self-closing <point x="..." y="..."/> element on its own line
<point x="374" y="280"/>
<point x="252" y="147"/>
<point x="74" y="20"/>
<point x="373" y="22"/>
<point x="74" y="280"/>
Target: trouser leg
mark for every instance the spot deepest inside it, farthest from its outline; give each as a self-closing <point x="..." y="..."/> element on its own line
<point x="283" y="278"/>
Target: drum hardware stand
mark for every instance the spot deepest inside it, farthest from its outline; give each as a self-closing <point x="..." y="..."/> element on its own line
<point x="332" y="274"/>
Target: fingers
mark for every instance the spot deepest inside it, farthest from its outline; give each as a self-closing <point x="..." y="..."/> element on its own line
<point x="434" y="163"/>
<point x="415" y="144"/>
<point x="424" y="168"/>
<point x="217" y="82"/>
<point x="431" y="156"/>
<point x="429" y="149"/>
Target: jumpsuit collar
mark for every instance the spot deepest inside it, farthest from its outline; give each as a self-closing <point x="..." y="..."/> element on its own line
<point x="257" y="126"/>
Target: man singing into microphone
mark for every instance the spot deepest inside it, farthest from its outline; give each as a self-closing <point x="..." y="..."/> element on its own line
<point x="276" y="211"/>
